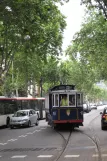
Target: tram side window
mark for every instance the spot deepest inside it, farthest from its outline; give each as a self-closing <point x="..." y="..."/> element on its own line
<point x="78" y="99"/>
<point x="56" y="100"/>
<point x="53" y="100"/>
<point x="72" y="101"/>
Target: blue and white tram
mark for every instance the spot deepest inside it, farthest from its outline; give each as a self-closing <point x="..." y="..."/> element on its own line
<point x="69" y="113"/>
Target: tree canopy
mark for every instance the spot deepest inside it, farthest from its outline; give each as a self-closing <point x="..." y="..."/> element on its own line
<point x="29" y="30"/>
<point x="91" y="44"/>
<point x="100" y="5"/>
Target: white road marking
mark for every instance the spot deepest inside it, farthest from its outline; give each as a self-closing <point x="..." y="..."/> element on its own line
<point x="43" y="128"/>
<point x="33" y="132"/>
<point x="44" y="156"/>
<point x="96" y="155"/>
<point x="19" y="156"/>
<point x="104" y="155"/>
<point x="71" y="156"/>
<point x="12" y="140"/>
<point x="22" y="136"/>
<point x="3" y="143"/>
<point x="37" y="130"/>
<point x="29" y="133"/>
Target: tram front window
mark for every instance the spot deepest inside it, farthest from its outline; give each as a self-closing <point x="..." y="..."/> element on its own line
<point x="64" y="100"/>
<point x="72" y="100"/>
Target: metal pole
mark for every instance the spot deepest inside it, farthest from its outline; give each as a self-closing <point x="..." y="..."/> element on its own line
<point x="41" y="86"/>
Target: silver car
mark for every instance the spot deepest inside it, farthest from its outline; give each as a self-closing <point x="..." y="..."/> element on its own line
<point x="24" y="118"/>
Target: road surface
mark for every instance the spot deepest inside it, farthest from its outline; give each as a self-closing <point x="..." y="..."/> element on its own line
<point x="42" y="143"/>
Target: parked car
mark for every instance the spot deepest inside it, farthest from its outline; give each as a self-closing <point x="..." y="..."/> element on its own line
<point x="93" y="106"/>
<point x="86" y="108"/>
<point x="104" y="118"/>
<point x="24" y="118"/>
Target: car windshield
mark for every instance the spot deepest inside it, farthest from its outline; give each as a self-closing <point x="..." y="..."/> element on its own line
<point x="21" y="113"/>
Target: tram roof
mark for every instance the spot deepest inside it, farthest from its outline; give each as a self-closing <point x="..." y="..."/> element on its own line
<point x="66" y="91"/>
<point x="62" y="87"/>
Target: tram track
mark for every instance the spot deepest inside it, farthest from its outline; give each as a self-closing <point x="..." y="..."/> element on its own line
<point x="93" y="137"/>
<point x="65" y="143"/>
<point x="95" y="141"/>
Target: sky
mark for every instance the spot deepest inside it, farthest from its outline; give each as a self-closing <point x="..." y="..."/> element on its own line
<point x="74" y="13"/>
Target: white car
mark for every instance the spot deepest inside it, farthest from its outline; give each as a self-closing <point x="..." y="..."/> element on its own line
<point x="86" y="108"/>
<point x="93" y="106"/>
<point x="24" y="118"/>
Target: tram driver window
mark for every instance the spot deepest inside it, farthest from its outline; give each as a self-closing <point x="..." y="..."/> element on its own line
<point x="72" y="100"/>
<point x="63" y="100"/>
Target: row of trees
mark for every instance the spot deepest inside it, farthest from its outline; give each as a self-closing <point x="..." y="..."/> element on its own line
<point x="89" y="47"/>
<point x="30" y="31"/>
<point x="31" y="34"/>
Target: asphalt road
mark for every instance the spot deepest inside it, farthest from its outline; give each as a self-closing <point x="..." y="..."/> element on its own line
<point x="42" y="143"/>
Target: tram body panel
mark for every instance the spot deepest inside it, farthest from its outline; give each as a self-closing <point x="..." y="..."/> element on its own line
<point x="65" y="115"/>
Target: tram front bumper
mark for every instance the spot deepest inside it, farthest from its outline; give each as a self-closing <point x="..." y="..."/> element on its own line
<point x="68" y="121"/>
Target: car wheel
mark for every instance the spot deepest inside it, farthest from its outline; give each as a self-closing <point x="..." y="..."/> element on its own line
<point x="37" y="122"/>
<point x="11" y="127"/>
<point x="29" y="124"/>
